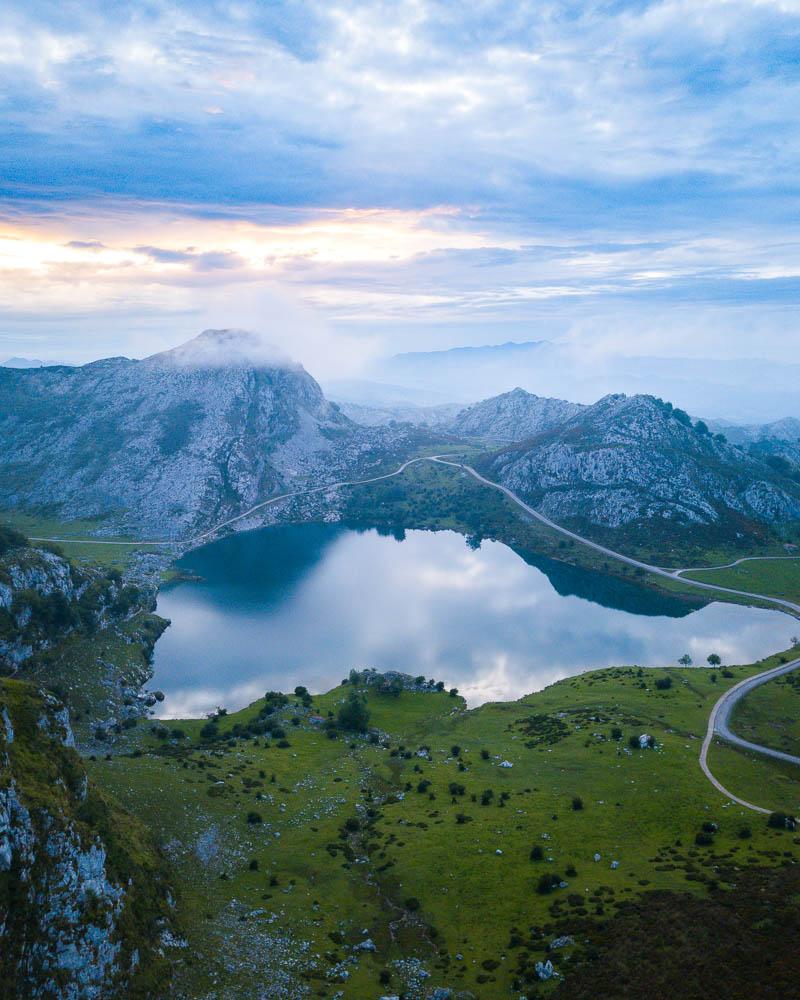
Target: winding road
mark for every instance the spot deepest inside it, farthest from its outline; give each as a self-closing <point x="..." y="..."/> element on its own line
<point x="718" y="722"/>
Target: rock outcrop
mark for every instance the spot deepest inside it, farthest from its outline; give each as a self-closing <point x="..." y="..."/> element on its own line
<point x="83" y="898"/>
<point x="635" y="460"/>
<point x="513" y="416"/>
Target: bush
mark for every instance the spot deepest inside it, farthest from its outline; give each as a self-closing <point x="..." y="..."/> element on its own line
<point x="537" y="854"/>
<point x="616" y="733"/>
<point x="703" y="839"/>
<point x="353" y="715"/>
<point x="781" y="821"/>
<point x="254" y="817"/>
<point x="547" y="883"/>
<point x="745" y="833"/>
<point x="423" y="786"/>
<point x="455" y="789"/>
<point x="484" y="754"/>
<point x="664" y="683"/>
<point x="577" y="803"/>
<point x="301" y="691"/>
<point x="412" y="903"/>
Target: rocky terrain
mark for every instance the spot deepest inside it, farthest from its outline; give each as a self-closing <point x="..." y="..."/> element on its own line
<point x="44" y="598"/>
<point x="439" y="417"/>
<point x="637" y="462"/>
<point x="176" y="442"/>
<point x="84" y="908"/>
<point x="513" y="416"/>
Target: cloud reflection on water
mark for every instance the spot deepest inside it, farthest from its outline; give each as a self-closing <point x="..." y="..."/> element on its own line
<point x="305" y="604"/>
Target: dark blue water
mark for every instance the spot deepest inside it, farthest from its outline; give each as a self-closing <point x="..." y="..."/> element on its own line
<point x="303" y="604"/>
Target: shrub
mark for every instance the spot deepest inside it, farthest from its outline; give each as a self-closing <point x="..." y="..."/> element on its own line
<point x="577" y="803"/>
<point x="703" y="839"/>
<point x="453" y="692"/>
<point x="745" y="833"/>
<point x="484" y="754"/>
<point x="455" y="789"/>
<point x="423" y="786"/>
<point x="301" y="691"/>
<point x="537" y="854"/>
<point x="254" y="817"/>
<point x="283" y="744"/>
<point x="664" y="683"/>
<point x="412" y="903"/>
<point x="352" y="825"/>
<point x="547" y="883"/>
<point x="455" y="750"/>
<point x="486" y="797"/>
<point x="253" y="866"/>
<point x="616" y="733"/>
<point x="781" y="821"/>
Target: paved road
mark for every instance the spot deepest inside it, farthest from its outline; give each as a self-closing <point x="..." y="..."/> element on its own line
<point x="737" y="562"/>
<point x="719" y="725"/>
<point x="657" y="570"/>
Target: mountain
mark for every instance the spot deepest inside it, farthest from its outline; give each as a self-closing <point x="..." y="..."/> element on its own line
<point x="719" y="388"/>
<point x="776" y="443"/>
<point x="639" y="464"/>
<point x="785" y="429"/>
<point x="513" y="416"/>
<point x="31" y="363"/>
<point x="175" y="442"/>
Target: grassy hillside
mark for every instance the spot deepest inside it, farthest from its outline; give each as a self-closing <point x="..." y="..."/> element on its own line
<point x="355" y="868"/>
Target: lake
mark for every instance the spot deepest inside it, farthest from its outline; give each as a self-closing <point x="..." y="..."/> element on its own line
<point x="303" y="604"/>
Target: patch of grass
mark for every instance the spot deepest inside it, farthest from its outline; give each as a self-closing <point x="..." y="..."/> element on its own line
<point x="776" y="577"/>
<point x="351" y="829"/>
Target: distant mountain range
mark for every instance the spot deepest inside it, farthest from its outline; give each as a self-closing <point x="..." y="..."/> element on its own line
<point x="30" y="363"/>
<point x="741" y="391"/>
<point x="176" y="442"/>
<point x="640" y="464"/>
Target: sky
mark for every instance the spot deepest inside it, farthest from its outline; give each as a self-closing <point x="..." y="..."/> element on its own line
<point x="362" y="179"/>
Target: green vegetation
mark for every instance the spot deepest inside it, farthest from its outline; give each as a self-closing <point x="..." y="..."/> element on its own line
<point x="776" y="577"/>
<point x="332" y="852"/>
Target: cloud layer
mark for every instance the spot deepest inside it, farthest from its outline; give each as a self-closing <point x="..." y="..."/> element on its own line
<point x="419" y="173"/>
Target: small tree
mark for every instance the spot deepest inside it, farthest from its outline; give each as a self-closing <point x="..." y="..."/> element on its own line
<point x="353" y="715"/>
<point x="685" y="660"/>
<point x="714" y="660"/>
<point x="577" y="803"/>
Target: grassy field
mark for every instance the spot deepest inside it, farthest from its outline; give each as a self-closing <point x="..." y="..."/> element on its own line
<point x="371" y="868"/>
<point x="770" y="715"/>
<point x="776" y="577"/>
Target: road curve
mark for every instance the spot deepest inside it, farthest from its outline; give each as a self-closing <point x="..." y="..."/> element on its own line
<point x="719" y="725"/>
<point x="737" y="562"/>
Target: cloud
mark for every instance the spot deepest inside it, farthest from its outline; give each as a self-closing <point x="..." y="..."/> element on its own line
<point x="417" y="173"/>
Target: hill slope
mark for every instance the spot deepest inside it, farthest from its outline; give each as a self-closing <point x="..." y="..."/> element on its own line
<point x="639" y="464"/>
<point x="513" y="416"/>
<point x="172" y="443"/>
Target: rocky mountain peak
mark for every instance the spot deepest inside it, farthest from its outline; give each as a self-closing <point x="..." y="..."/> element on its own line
<point x="224" y="349"/>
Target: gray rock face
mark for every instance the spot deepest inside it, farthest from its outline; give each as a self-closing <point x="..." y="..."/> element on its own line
<point x="174" y="443"/>
<point x="636" y="459"/>
<point x="513" y="416"/>
<point x="64" y="913"/>
<point x="40" y="595"/>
